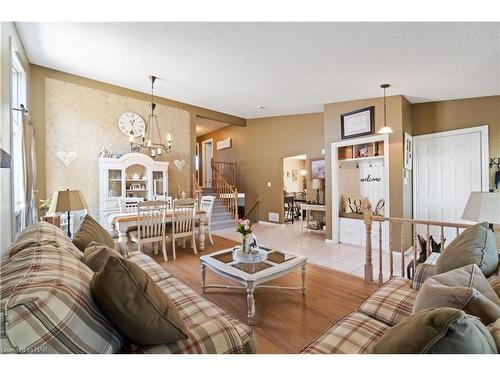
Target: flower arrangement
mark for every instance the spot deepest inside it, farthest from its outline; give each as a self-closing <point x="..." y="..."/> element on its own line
<point x="244" y="228"/>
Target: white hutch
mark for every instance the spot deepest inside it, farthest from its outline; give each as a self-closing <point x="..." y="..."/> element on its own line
<point x="134" y="175"/>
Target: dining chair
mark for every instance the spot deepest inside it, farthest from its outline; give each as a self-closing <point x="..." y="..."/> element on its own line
<point x="129" y="205"/>
<point x="166" y="198"/>
<point x="151" y="225"/>
<point x="183" y="222"/>
<point x="207" y="204"/>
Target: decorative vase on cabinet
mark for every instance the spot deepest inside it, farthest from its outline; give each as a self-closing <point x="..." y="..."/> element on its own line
<point x="132" y="175"/>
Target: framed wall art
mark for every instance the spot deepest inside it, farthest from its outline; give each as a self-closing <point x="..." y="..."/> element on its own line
<point x="408" y="154"/>
<point x="317" y="168"/>
<point x="357" y="123"/>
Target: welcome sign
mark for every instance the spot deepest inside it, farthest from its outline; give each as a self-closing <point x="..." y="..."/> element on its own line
<point x="369" y="178"/>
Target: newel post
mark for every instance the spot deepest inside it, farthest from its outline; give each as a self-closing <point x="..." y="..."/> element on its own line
<point x="368" y="219"/>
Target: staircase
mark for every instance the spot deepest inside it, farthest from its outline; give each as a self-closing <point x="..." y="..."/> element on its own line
<point x="221" y="218"/>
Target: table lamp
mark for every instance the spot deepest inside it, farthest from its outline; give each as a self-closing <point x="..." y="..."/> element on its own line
<point x="317" y="184"/>
<point x="67" y="201"/>
<point x="483" y="206"/>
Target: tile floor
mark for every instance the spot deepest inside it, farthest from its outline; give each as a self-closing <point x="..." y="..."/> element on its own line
<point x="290" y="238"/>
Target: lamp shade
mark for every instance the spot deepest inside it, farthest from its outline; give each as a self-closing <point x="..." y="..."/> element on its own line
<point x="67" y="200"/>
<point x="483" y="206"/>
<point x="317" y="183"/>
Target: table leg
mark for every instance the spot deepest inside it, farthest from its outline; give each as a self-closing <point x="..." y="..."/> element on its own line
<point x="250" y="302"/>
<point x="304" y="279"/>
<point x="122" y="236"/>
<point x="202" y="234"/>
<point x="203" y="273"/>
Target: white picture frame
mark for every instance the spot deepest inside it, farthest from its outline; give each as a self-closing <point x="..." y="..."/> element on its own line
<point x="223" y="144"/>
<point x="408" y="151"/>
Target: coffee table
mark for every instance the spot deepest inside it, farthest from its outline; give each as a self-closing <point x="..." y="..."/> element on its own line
<point x="252" y="275"/>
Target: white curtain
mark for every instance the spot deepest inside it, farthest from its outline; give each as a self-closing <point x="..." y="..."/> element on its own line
<point x="29" y="212"/>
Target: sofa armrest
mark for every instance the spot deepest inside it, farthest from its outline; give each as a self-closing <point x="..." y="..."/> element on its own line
<point x="422" y="273"/>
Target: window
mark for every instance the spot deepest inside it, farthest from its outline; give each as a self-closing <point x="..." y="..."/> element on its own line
<point x="18" y="97"/>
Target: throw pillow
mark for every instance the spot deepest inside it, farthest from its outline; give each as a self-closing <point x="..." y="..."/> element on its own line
<point x="89" y="231"/>
<point x="465" y="289"/>
<point x="136" y="305"/>
<point x="437" y="331"/>
<point x="96" y="255"/>
<point x="477" y="245"/>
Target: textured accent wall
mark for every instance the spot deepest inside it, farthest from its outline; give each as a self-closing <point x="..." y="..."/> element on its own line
<point x="83" y="119"/>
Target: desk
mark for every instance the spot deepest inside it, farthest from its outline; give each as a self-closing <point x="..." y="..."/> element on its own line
<point x="122" y="222"/>
<point x="308" y="208"/>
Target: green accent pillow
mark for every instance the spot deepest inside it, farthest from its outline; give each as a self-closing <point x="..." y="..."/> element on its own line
<point x="96" y="255"/>
<point x="438" y="331"/>
<point x="135" y="305"/>
<point x="89" y="231"/>
<point x="464" y="289"/>
<point x="475" y="245"/>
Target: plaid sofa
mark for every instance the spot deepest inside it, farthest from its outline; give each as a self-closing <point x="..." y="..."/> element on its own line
<point x="46" y="305"/>
<point x="389" y="305"/>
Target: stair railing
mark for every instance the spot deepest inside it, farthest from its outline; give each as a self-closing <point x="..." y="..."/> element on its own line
<point x="226" y="192"/>
<point x="197" y="192"/>
<point x="226" y="170"/>
<point x="392" y="222"/>
<point x="247" y="214"/>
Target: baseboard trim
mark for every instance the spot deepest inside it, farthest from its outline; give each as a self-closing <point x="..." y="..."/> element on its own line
<point x="268" y="223"/>
<point x="328" y="240"/>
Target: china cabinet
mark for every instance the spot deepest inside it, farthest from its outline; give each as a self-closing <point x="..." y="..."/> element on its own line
<point x="133" y="175"/>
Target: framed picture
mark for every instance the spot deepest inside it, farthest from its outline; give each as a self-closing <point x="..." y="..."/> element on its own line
<point x="408" y="154"/>
<point x="357" y="123"/>
<point x="135" y="186"/>
<point x="294" y="175"/>
<point x="317" y="168"/>
<point x="223" y="144"/>
<point x="363" y="151"/>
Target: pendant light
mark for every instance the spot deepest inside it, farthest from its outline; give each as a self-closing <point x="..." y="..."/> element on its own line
<point x="152" y="126"/>
<point x="385" y="129"/>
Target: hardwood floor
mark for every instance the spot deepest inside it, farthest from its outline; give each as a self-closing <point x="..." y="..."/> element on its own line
<point x="285" y="320"/>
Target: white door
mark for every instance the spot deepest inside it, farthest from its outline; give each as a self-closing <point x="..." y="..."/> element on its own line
<point x="207" y="163"/>
<point x="448" y="167"/>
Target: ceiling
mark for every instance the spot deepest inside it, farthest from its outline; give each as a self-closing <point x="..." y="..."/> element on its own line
<point x="205" y="126"/>
<point x="287" y="68"/>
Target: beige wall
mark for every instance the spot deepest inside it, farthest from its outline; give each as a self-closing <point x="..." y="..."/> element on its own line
<point x="8" y="34"/>
<point x="394" y="120"/>
<point x="91" y="111"/>
<point x="83" y="120"/>
<point x="457" y="114"/>
<point x="259" y="149"/>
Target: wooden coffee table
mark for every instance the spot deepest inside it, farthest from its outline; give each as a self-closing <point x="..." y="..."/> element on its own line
<point x="252" y="275"/>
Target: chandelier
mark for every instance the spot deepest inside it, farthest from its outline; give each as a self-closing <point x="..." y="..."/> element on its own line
<point x="154" y="147"/>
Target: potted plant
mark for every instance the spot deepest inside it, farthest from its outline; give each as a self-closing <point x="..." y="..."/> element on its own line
<point x="45" y="205"/>
<point x="245" y="229"/>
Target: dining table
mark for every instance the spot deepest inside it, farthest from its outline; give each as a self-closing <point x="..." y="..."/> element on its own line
<point x="122" y="222"/>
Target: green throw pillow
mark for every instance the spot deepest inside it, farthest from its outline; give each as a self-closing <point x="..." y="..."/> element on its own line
<point x="135" y="305"/>
<point x="464" y="289"/>
<point x="89" y="231"/>
<point x="437" y="331"/>
<point x="96" y="255"/>
<point x="475" y="245"/>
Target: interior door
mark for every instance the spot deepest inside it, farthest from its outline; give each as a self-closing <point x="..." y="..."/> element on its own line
<point x="448" y="168"/>
<point x="207" y="164"/>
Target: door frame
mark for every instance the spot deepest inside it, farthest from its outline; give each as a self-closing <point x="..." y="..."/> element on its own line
<point x="203" y="158"/>
<point x="482" y="130"/>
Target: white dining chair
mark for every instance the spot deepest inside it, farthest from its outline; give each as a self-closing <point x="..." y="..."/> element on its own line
<point x="129" y="205"/>
<point x="183" y="222"/>
<point x="207" y="204"/>
<point x="151" y="225"/>
<point x="166" y="198"/>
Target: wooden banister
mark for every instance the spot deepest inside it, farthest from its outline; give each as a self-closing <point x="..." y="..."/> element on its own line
<point x="369" y="218"/>
<point x="254" y="205"/>
<point x="226" y="192"/>
<point x="226" y="170"/>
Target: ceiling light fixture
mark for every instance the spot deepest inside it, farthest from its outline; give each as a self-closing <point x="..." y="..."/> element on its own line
<point x="154" y="147"/>
<point x="385" y="129"/>
<point x="261" y="107"/>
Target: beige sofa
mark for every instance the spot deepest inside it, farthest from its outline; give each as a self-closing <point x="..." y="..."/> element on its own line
<point x="47" y="307"/>
<point x="389" y="305"/>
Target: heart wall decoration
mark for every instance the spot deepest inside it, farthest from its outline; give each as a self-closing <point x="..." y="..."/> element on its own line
<point x="67" y="157"/>
<point x="179" y="164"/>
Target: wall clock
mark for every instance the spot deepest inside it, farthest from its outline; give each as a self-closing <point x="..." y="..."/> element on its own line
<point x="130" y="122"/>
